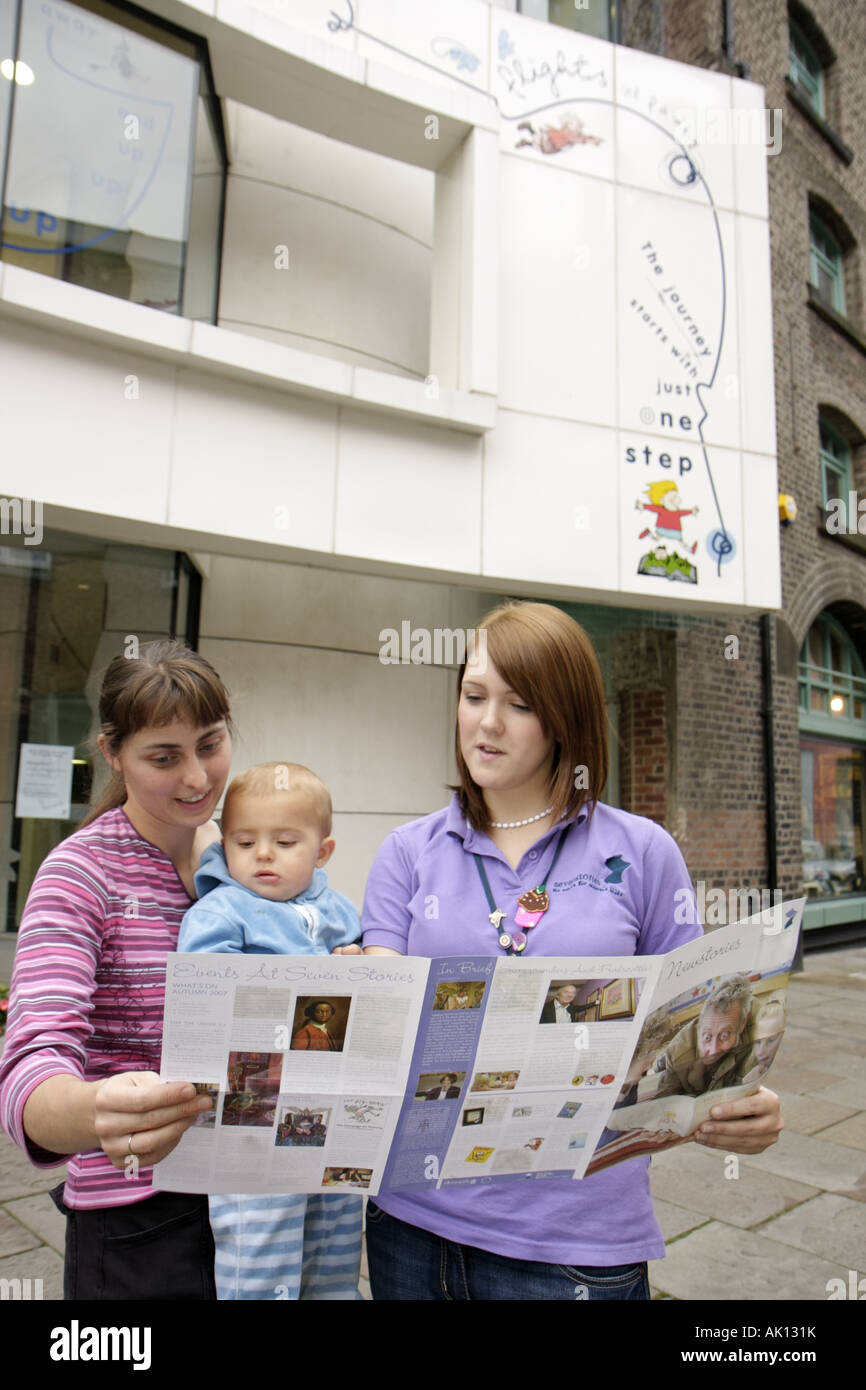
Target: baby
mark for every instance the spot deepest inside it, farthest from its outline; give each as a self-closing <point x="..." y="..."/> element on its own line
<point x="276" y="826"/>
<point x="264" y="890"/>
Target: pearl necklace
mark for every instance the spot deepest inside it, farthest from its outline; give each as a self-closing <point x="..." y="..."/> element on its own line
<point x="515" y="824"/>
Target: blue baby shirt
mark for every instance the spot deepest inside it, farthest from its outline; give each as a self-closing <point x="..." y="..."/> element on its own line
<point x="229" y="917"/>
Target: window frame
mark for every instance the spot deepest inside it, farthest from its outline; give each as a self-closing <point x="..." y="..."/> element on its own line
<point x="194" y="48"/>
<point x="848" y="680"/>
<point x="829" y="258"/>
<point x="835" y="459"/>
<point x="811" y="84"/>
<point x="532" y="8"/>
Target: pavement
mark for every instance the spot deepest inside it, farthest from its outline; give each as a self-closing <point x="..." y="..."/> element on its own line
<point x="777" y="1226"/>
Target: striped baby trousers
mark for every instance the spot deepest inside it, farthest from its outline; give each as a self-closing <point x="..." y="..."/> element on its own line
<point x="286" y="1247"/>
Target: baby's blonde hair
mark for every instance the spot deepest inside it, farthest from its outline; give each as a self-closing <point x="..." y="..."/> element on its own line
<point x="270" y="779"/>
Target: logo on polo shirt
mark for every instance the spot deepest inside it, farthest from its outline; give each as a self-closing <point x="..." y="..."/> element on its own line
<point x="617" y="866"/>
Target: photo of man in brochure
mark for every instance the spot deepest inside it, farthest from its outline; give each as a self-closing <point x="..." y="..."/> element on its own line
<point x="710" y="1044"/>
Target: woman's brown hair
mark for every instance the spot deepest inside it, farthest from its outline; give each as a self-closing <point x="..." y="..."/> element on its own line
<point x="164" y="682"/>
<point x="548" y="660"/>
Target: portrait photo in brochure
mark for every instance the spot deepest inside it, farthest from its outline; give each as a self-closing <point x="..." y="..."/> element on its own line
<point x="445" y="1085"/>
<point x="320" y="1023"/>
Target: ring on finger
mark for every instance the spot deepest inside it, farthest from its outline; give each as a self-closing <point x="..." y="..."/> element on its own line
<point x="129" y="1147"/>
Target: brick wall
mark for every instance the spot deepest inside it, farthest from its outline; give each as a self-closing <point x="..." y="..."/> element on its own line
<point x="720" y="809"/>
<point x="644" y="758"/>
<point x="720" y="803"/>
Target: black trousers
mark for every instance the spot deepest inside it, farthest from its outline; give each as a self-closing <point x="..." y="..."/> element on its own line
<point x="158" y="1249"/>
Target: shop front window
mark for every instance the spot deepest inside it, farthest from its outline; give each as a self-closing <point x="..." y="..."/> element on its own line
<point x="70" y="605"/>
<point x="832" y="818"/>
<point x="832" y="756"/>
<point x="116" y="156"/>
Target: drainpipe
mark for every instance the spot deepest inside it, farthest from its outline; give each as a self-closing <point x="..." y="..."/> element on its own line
<point x="770" y="765"/>
<point x="742" y="69"/>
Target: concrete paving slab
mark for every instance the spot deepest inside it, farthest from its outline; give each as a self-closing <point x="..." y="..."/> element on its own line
<point x="806" y="1114"/>
<point x="41" y="1264"/>
<point x="799" y="1079"/>
<point x="845" y="1064"/>
<point x="856" y="1047"/>
<point x="674" y="1220"/>
<point x="851" y="1132"/>
<point x="810" y="1159"/>
<point x="837" y="1025"/>
<point x="18" y="1177"/>
<point x="15" y="1238"/>
<point x="845" y="1016"/>
<point x="801" y="996"/>
<point x="828" y="1016"/>
<point x="845" y="1092"/>
<point x="41" y="1215"/>
<point x="719" y="1262"/>
<point x="828" y="1225"/>
<point x="805" y="1049"/>
<point x="846" y="970"/>
<point x="694" y="1178"/>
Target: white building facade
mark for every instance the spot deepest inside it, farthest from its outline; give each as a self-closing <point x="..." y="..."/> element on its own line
<point x="345" y="321"/>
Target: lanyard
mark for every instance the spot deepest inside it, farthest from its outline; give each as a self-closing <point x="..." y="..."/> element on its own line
<point x="515" y="941"/>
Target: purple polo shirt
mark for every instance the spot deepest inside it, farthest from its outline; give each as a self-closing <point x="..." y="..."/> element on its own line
<point x="611" y="893"/>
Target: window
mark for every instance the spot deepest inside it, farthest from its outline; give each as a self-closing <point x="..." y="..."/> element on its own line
<point x="832" y="676"/>
<point x="68" y="602"/>
<point x="596" y="17"/>
<point x="835" y="464"/>
<point x="805" y="68"/>
<point x="832" y="766"/>
<point x="116" y="159"/>
<point x="826" y="271"/>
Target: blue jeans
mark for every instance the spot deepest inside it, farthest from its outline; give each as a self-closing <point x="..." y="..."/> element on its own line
<point x="408" y="1263"/>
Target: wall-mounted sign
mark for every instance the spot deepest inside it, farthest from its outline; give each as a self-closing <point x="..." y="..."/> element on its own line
<point x="44" y="781"/>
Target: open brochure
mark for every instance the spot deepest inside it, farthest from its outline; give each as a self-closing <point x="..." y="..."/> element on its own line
<point x="379" y="1073"/>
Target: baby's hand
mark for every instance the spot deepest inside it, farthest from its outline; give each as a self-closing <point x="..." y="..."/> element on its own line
<point x="353" y="950"/>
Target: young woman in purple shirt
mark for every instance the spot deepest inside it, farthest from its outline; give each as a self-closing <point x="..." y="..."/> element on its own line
<point x="532" y="760"/>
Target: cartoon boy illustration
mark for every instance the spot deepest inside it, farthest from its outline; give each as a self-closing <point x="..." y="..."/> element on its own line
<point x="665" y="502"/>
<point x="550" y="139"/>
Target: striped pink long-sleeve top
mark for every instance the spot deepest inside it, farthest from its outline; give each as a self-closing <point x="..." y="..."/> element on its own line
<point x="88" y="988"/>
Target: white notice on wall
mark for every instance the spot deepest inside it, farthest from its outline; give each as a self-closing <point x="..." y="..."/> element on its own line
<point x="44" y="781"/>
